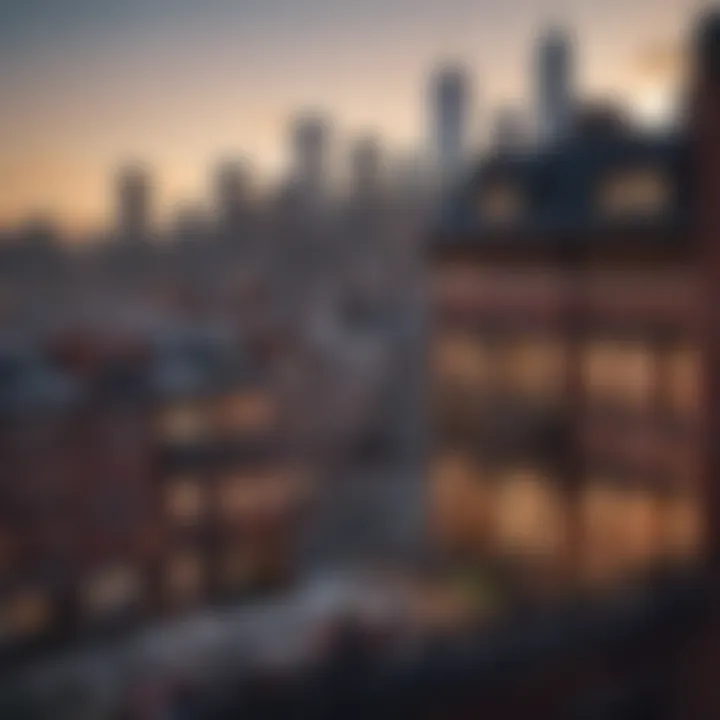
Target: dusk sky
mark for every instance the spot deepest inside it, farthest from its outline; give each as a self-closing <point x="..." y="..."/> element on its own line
<point x="86" y="84"/>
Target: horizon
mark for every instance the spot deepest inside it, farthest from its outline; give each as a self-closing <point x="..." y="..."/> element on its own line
<point x="90" y="86"/>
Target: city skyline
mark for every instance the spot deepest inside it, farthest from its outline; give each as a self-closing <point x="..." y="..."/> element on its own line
<point x="91" y="86"/>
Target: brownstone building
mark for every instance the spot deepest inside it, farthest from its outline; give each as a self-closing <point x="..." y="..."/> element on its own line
<point x="575" y="353"/>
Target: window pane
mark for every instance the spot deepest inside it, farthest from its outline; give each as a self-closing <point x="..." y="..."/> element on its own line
<point x="461" y="360"/>
<point x="461" y="501"/>
<point x="683" y="380"/>
<point x="183" y="422"/>
<point x="250" y="412"/>
<point x="531" y="367"/>
<point x="530" y="514"/>
<point x="184" y="576"/>
<point x="185" y="500"/>
<point x="619" y="373"/>
<point x="110" y="589"/>
<point x="683" y="527"/>
<point x="635" y="193"/>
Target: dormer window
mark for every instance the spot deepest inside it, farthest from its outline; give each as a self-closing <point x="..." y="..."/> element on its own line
<point x="635" y="193"/>
<point x="500" y="203"/>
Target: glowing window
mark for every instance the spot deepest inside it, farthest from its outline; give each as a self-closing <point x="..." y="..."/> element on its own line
<point x="28" y="612"/>
<point x="184" y="575"/>
<point x="530" y="514"/>
<point x="619" y="373"/>
<point x="251" y="411"/>
<point x="110" y="589"/>
<point x="183" y="422"/>
<point x="500" y="203"/>
<point x="461" y="502"/>
<point x="683" y="377"/>
<point x="185" y="500"/>
<point x="620" y="531"/>
<point x="683" y="527"/>
<point x="462" y="361"/>
<point x="634" y="193"/>
<point x="533" y="368"/>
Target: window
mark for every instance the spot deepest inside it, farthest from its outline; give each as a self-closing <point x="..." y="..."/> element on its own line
<point x="620" y="531"/>
<point x="634" y="193"/>
<point x="639" y="523"/>
<point x="461" y="361"/>
<point x="184" y="576"/>
<point x="619" y="373"/>
<point x="683" y="527"/>
<point x="265" y="492"/>
<point x="185" y="500"/>
<point x="533" y="368"/>
<point x="250" y="411"/>
<point x="461" y="502"/>
<point x="183" y="422"/>
<point x="27" y="612"/>
<point x="239" y="496"/>
<point x="601" y="553"/>
<point x="683" y="380"/>
<point x="500" y="203"/>
<point x="110" y="589"/>
<point x="530" y="515"/>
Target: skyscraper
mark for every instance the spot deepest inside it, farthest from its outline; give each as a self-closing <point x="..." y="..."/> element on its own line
<point x="310" y="137"/>
<point x="510" y="131"/>
<point x="449" y="99"/>
<point x="554" y="87"/>
<point x="133" y="203"/>
<point x="231" y="186"/>
<point x="366" y="167"/>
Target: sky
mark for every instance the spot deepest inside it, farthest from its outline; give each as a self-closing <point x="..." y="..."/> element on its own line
<point x="89" y="84"/>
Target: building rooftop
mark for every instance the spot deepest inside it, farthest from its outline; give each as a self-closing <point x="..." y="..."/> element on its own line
<point x="585" y="184"/>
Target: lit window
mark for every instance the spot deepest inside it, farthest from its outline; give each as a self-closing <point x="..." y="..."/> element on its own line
<point x="621" y="373"/>
<point x="110" y="589"/>
<point x="683" y="377"/>
<point x="461" y="502"/>
<point x="636" y="193"/>
<point x="461" y="361"/>
<point x="183" y="422"/>
<point x="530" y="514"/>
<point x="600" y="508"/>
<point x="265" y="493"/>
<point x="239" y="496"/>
<point x="252" y="411"/>
<point x="500" y="203"/>
<point x="532" y="368"/>
<point x="184" y="576"/>
<point x="639" y="524"/>
<point x="683" y="527"/>
<point x="185" y="500"/>
<point x="620" y="530"/>
<point x="28" y="612"/>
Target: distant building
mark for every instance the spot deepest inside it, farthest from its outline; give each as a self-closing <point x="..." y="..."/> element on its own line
<point x="554" y="87"/>
<point x="366" y="168"/>
<point x="190" y="223"/>
<point x="510" y="131"/>
<point x="310" y="138"/>
<point x="134" y="200"/>
<point x="449" y="108"/>
<point x="231" y="188"/>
